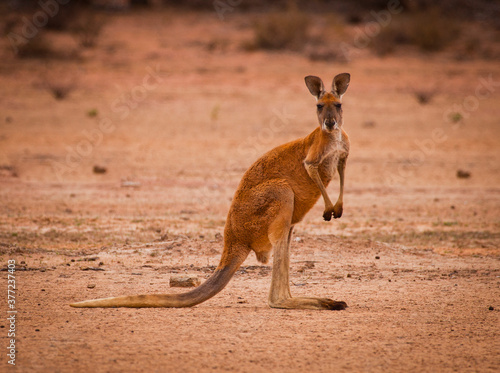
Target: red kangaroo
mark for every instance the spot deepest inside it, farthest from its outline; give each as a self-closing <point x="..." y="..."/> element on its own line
<point x="275" y="194"/>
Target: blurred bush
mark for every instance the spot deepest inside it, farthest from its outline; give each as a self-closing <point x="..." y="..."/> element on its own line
<point x="429" y="30"/>
<point x="37" y="47"/>
<point x="87" y="28"/>
<point x="282" y="30"/>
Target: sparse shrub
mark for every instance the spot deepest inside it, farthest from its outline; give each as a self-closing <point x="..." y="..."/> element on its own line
<point x="478" y="42"/>
<point x="326" y="54"/>
<point x="60" y="88"/>
<point x="385" y="42"/>
<point x="429" y="30"/>
<point x="424" y="96"/>
<point x="472" y="45"/>
<point x="354" y="18"/>
<point x="9" y="23"/>
<point x="65" y="16"/>
<point x="39" y="44"/>
<point x="218" y="44"/>
<point x="456" y="117"/>
<point x="88" y="27"/>
<point x="37" y="47"/>
<point x="282" y="30"/>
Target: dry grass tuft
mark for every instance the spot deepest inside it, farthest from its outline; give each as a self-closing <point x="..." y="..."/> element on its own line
<point x="88" y="28"/>
<point x="282" y="30"/>
<point x="37" y="47"/>
<point x="58" y="84"/>
<point x="424" y="96"/>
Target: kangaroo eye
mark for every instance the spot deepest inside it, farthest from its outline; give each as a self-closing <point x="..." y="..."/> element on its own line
<point x="320" y="106"/>
<point x="338" y="106"/>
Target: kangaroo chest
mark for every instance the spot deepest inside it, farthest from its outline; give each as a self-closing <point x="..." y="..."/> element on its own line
<point x="328" y="166"/>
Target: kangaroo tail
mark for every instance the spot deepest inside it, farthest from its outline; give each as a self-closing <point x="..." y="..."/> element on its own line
<point x="228" y="266"/>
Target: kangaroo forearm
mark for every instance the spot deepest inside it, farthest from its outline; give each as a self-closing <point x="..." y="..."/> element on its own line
<point x="341" y="170"/>
<point x="314" y="174"/>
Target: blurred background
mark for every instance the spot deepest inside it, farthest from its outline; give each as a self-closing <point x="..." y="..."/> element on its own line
<point x="153" y="110"/>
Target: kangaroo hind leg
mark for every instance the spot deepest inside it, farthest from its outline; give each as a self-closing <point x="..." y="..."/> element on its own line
<point x="279" y="295"/>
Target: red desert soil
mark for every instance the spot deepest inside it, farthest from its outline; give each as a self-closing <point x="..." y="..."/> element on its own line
<point x="415" y="256"/>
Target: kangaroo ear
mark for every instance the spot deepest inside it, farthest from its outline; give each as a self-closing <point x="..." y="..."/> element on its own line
<point x="340" y="84"/>
<point x="315" y="85"/>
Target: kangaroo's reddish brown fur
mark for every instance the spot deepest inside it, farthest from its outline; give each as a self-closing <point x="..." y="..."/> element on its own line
<point x="274" y="194"/>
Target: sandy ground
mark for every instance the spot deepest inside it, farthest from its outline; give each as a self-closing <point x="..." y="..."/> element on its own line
<point x="175" y="111"/>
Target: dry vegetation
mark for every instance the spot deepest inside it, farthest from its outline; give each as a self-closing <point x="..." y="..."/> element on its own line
<point x="81" y="24"/>
<point x="282" y="30"/>
<point x="429" y="30"/>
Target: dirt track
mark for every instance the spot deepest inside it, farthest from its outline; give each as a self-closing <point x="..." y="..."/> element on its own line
<point x="415" y="256"/>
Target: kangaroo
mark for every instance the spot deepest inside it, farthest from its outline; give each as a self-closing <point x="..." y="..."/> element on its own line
<point x="274" y="194"/>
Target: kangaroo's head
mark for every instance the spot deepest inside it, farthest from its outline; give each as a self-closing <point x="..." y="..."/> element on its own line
<point x="329" y="104"/>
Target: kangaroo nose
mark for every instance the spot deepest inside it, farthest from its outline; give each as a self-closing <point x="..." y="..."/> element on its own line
<point x="330" y="124"/>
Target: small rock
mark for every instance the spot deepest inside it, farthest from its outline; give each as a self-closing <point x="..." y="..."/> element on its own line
<point x="184" y="282"/>
<point x="89" y="259"/>
<point x="99" y="169"/>
<point x="491" y="308"/>
<point x="349" y="275"/>
<point x="188" y="212"/>
<point x="377" y="257"/>
<point x="461" y="174"/>
<point x="91" y="286"/>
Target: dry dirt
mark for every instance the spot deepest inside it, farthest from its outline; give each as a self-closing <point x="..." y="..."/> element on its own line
<point x="415" y="256"/>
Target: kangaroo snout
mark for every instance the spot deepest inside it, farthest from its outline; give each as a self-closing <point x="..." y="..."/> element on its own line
<point x="330" y="124"/>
